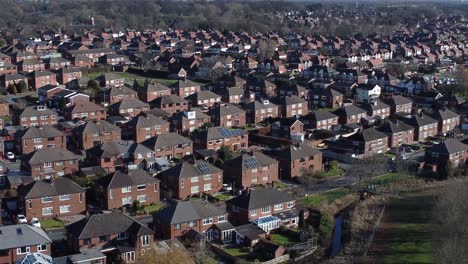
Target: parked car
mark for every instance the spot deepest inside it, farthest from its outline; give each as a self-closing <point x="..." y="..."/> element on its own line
<point x="21" y="219"/>
<point x="35" y="222"/>
<point x="10" y="155"/>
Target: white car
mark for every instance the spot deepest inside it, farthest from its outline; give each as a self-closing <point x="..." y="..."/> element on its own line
<point x="10" y="155"/>
<point x="21" y="219"/>
<point x="35" y="222"/>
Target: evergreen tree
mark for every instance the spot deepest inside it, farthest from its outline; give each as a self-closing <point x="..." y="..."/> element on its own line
<point x="22" y="87"/>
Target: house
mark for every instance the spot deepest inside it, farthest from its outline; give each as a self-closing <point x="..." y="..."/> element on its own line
<point x="267" y="208"/>
<point x="293" y="106"/>
<point x="86" y="111"/>
<point x="250" y="169"/>
<point x="188" y="121"/>
<point x="145" y="126"/>
<point x="30" y="65"/>
<point x="450" y="152"/>
<point x="4" y="107"/>
<point x="288" y="128"/>
<point x="261" y="88"/>
<point x="257" y="112"/>
<point x="320" y="119"/>
<point x="116" y="94"/>
<point x="151" y="91"/>
<point x="249" y="234"/>
<point x="12" y="79"/>
<point x="56" y="63"/>
<point x="41" y="78"/>
<point x="66" y="98"/>
<point x="297" y="160"/>
<point x="399" y="103"/>
<point x="171" y="103"/>
<point x="424" y="126"/>
<point x="367" y="92"/>
<point x="93" y="133"/>
<point x="170" y="145"/>
<point x="68" y="74"/>
<point x="37" y="116"/>
<point x="377" y="109"/>
<point x="128" y="107"/>
<point x="398" y="133"/>
<point x="56" y="197"/>
<point x="350" y="114"/>
<point x="191" y="178"/>
<point x="269" y="249"/>
<point x="204" y="99"/>
<point x="227" y="115"/>
<point x="48" y="162"/>
<point x="234" y="95"/>
<point x="369" y="142"/>
<point x="119" y="189"/>
<point x="184" y="88"/>
<point x="216" y="137"/>
<point x="125" y="237"/>
<point x="447" y="120"/>
<point x="20" y="240"/>
<point x="110" y="80"/>
<point x="32" y="138"/>
<point x="178" y="219"/>
<point x="326" y="98"/>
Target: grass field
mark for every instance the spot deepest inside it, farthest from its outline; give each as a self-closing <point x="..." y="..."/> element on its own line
<point x="316" y="200"/>
<point x="237" y="252"/>
<point x="154" y="207"/>
<point x="404" y="235"/>
<point x="50" y="223"/>
<point x="282" y="239"/>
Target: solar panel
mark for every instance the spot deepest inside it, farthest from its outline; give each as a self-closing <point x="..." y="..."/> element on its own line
<point x="203" y="167"/>
<point x="230" y="132"/>
<point x="251" y="163"/>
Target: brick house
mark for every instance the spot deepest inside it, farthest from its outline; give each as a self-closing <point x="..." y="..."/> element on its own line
<point x="451" y="151"/>
<point x="38" y="79"/>
<point x="56" y="63"/>
<point x="170" y="145"/>
<point x="191" y="178"/>
<point x="234" y="95"/>
<point x="181" y="218"/>
<point x="32" y="138"/>
<point x="86" y="111"/>
<point x="145" y="126"/>
<point x="265" y="207"/>
<point x="326" y="98"/>
<point x="184" y="88"/>
<point x="447" y="120"/>
<point x="20" y="240"/>
<point x="94" y="133"/>
<point x="250" y="169"/>
<point x="171" y="103"/>
<point x="398" y="133"/>
<point x="350" y="114"/>
<point x="114" y="94"/>
<point x="261" y="87"/>
<point x="377" y="109"/>
<point x="320" y="119"/>
<point x="13" y="79"/>
<point x="187" y="121"/>
<point x="4" y="107"/>
<point x="151" y="91"/>
<point x="204" y="99"/>
<point x="293" y="105"/>
<point x="110" y="80"/>
<point x="216" y="137"/>
<point x="8" y="68"/>
<point x="128" y="107"/>
<point x="399" y="103"/>
<point x="31" y="65"/>
<point x="257" y="112"/>
<point x="48" y="162"/>
<point x="120" y="189"/>
<point x="126" y="237"/>
<point x="296" y="160"/>
<point x="37" y="116"/>
<point x="56" y="197"/>
<point x="424" y="126"/>
<point x="369" y="142"/>
<point x="227" y="115"/>
<point x="68" y="74"/>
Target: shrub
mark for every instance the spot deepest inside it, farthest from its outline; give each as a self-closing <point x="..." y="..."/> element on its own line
<point x="326" y="224"/>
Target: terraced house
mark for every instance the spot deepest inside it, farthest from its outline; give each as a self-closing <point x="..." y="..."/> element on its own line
<point x="86" y="111"/>
<point x="227" y="115"/>
<point x="37" y="116"/>
<point x="94" y="133"/>
<point x="169" y="146"/>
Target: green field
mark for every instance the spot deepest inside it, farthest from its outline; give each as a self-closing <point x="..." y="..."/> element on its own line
<point x="316" y="200"/>
<point x="284" y="240"/>
<point x="404" y="235"/>
<point x="237" y="252"/>
<point x="51" y="223"/>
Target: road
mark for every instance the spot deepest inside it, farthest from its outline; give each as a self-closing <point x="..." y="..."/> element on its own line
<point x="10" y="97"/>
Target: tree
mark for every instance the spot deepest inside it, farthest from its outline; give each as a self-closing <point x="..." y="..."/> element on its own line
<point x="22" y="86"/>
<point x="93" y="85"/>
<point x="135" y="85"/>
<point x="266" y="49"/>
<point x="12" y="88"/>
<point x="176" y="256"/>
<point x="225" y="153"/>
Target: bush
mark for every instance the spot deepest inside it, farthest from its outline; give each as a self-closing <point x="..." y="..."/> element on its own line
<point x="326" y="224"/>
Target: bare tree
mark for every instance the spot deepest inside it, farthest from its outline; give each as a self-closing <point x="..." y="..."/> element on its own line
<point x="266" y="49"/>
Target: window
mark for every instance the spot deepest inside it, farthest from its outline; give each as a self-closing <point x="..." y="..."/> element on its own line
<point x="253" y="212"/>
<point x="141" y="187"/>
<point x="195" y="189"/>
<point x="64" y="209"/>
<point x="221" y="218"/>
<point x="194" y="179"/>
<point x="64" y="197"/>
<point x="110" y="195"/>
<point x="145" y="240"/>
<point x="126" y="189"/>
<point x="141" y="198"/>
<point x="207" y="177"/>
<point x="290" y="204"/>
<point x="207" y="187"/>
<point x="155" y="187"/>
<point x="181" y="184"/>
<point x="30" y="204"/>
<point x="23" y="250"/>
<point x="126" y="200"/>
<point x="278" y="207"/>
<point x="37" y="140"/>
<point x="177" y="226"/>
<point x="122" y="235"/>
<point x="81" y="197"/>
<point x="47" y="199"/>
<point x="192" y="224"/>
<point x="104" y="238"/>
<point x="129" y="256"/>
<point x="207" y="221"/>
<point x="42" y="247"/>
<point x="87" y="241"/>
<point x="47" y="164"/>
<point x="266" y="210"/>
<point x="47" y="211"/>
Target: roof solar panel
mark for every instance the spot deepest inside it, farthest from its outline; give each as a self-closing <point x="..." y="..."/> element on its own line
<point x="251" y="163"/>
<point x="203" y="167"/>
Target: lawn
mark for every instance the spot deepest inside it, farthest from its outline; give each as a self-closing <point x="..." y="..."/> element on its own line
<point x="405" y="233"/>
<point x="154" y="207"/>
<point x="280" y="185"/>
<point x="223" y="197"/>
<point x="282" y="239"/>
<point x="237" y="252"/>
<point x="316" y="200"/>
<point x="51" y="223"/>
<point x="334" y="170"/>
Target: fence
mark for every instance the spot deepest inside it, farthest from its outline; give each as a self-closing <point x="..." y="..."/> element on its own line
<point x="279" y="259"/>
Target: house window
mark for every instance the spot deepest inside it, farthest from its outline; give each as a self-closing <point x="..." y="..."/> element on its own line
<point x="221" y="218"/>
<point x="122" y="235"/>
<point x="192" y="224"/>
<point x="266" y="210"/>
<point x="23" y="250"/>
<point x="207" y="221"/>
<point x="129" y="256"/>
<point x="181" y="184"/>
<point x="30" y="204"/>
<point x="207" y="177"/>
<point x="42" y="247"/>
<point x="141" y="198"/>
<point x="253" y="212"/>
<point x="64" y="197"/>
<point x="47" y="164"/>
<point x="37" y="140"/>
<point x="126" y="189"/>
<point x="195" y="189"/>
<point x="155" y="187"/>
<point x="87" y="241"/>
<point x="64" y="209"/>
<point x="290" y="204"/>
<point x="47" y="199"/>
<point x="177" y="226"/>
<point x="110" y="195"/>
<point x="141" y="187"/>
<point x="126" y="200"/>
<point x="81" y="197"/>
<point x="278" y="207"/>
<point x="207" y="187"/>
<point x="194" y="179"/>
<point x="47" y="211"/>
<point x="145" y="240"/>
